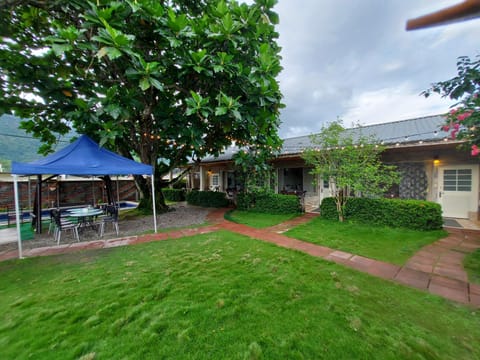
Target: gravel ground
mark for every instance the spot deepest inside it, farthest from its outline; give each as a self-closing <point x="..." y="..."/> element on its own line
<point x="181" y="215"/>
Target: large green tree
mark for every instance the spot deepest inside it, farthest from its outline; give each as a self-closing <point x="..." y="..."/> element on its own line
<point x="166" y="81"/>
<point x="463" y="121"/>
<point x="350" y="163"/>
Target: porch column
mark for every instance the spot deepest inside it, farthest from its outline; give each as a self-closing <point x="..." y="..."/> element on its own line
<point x="189" y="180"/>
<point x="202" y="179"/>
<point x="221" y="181"/>
<point x="38" y="210"/>
<point x="280" y="180"/>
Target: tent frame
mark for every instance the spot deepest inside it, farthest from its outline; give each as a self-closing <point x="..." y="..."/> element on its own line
<point x="17" y="212"/>
<point x="82" y="157"/>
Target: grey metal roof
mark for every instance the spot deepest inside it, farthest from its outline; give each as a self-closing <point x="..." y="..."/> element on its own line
<point x="412" y="131"/>
<point x="425" y="129"/>
<point x="226" y="155"/>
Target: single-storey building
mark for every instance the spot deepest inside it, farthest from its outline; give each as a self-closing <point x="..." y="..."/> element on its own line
<point x="432" y="165"/>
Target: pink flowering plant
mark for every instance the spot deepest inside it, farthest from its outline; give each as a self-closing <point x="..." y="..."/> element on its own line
<point x="463" y="121"/>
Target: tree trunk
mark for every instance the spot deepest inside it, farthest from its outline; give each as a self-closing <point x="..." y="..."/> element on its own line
<point x="144" y="187"/>
<point x="340" y="202"/>
<point x="109" y="189"/>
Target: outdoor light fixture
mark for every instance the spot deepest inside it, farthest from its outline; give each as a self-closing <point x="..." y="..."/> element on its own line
<point x="436" y="160"/>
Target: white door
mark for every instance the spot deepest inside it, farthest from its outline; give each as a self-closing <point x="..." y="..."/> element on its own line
<point x="324" y="189"/>
<point x="214" y="182"/>
<point x="458" y="190"/>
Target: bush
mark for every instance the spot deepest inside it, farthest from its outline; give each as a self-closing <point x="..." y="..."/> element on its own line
<point x="328" y="209"/>
<point x="412" y="214"/>
<point x="245" y="201"/>
<point x="207" y="198"/>
<point x="270" y="203"/>
<point x="181" y="184"/>
<point x="174" y="194"/>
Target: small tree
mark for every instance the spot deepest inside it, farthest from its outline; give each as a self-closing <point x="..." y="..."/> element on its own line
<point x="351" y="165"/>
<point x="463" y="122"/>
<point x="254" y="169"/>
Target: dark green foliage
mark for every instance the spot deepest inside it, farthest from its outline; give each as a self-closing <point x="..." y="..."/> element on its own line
<point x="207" y="198"/>
<point x="463" y="121"/>
<point x="266" y="202"/>
<point x="328" y="209"/>
<point x="412" y="214"/>
<point x="152" y="80"/>
<point x="174" y="194"/>
<point x="180" y="184"/>
<point x="245" y="200"/>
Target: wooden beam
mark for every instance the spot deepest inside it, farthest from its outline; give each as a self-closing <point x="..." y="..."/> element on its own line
<point x="468" y="9"/>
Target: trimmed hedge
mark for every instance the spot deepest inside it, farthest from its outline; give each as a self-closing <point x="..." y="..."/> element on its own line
<point x="413" y="214"/>
<point x="269" y="203"/>
<point x="207" y="198"/>
<point x="174" y="194"/>
<point x="328" y="209"/>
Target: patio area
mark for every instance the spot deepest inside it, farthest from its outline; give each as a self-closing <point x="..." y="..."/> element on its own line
<point x="181" y="215"/>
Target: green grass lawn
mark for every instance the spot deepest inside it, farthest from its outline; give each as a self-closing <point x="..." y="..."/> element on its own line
<point x="219" y="296"/>
<point x="471" y="264"/>
<point x="393" y="245"/>
<point x="257" y="220"/>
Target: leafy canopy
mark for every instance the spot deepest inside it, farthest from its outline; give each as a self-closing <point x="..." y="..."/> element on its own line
<point x="463" y="122"/>
<point x="165" y="81"/>
<point x="350" y="163"/>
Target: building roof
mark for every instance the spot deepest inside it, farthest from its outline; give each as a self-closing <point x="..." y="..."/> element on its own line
<point x="404" y="132"/>
<point x="415" y="131"/>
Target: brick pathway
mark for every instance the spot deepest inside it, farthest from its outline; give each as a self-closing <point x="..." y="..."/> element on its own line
<point x="436" y="268"/>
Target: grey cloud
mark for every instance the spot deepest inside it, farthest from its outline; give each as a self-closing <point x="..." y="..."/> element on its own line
<point x="340" y="55"/>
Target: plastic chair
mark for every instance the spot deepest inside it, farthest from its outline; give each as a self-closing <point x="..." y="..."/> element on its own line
<point x="51" y="226"/>
<point x="110" y="218"/>
<point x="63" y="225"/>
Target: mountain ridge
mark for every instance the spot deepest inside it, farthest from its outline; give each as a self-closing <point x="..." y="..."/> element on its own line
<point x="16" y="144"/>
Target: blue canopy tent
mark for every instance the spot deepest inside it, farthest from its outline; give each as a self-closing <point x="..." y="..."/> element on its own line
<point x="84" y="157"/>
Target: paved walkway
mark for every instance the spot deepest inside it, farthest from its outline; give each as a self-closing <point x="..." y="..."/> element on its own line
<point x="436" y="268"/>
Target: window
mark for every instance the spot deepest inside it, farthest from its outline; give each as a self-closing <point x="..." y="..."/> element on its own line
<point x="214" y="182"/>
<point x="326" y="184"/>
<point x="457" y="180"/>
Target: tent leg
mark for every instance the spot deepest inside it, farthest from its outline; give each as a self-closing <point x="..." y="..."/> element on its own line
<point x="154" y="204"/>
<point x="118" y="193"/>
<point x="17" y="216"/>
<point x="38" y="211"/>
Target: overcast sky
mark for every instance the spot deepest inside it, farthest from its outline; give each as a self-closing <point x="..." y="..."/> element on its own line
<point x="354" y="59"/>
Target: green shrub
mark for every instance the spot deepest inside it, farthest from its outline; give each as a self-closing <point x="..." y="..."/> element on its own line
<point x="207" y="198"/>
<point x="270" y="203"/>
<point x="245" y="201"/>
<point x="413" y="214"/>
<point x="174" y="194"/>
<point x="181" y="184"/>
<point x="328" y="209"/>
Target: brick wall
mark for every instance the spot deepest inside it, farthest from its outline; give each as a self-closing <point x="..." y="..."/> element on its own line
<point x="68" y="192"/>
